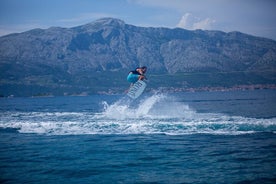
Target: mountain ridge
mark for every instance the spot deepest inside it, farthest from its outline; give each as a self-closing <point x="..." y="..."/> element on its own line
<point x="58" y="57"/>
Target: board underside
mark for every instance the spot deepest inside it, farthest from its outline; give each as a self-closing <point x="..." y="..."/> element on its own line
<point x="136" y="89"/>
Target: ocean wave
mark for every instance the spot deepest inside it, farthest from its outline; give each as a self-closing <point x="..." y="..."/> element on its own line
<point x="157" y="114"/>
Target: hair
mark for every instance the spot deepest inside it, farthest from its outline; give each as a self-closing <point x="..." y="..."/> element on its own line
<point x="143" y="67"/>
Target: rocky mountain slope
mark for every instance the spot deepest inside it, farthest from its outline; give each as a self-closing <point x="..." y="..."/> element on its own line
<point x="78" y="58"/>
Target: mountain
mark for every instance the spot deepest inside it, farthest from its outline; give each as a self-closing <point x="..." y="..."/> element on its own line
<point x="97" y="56"/>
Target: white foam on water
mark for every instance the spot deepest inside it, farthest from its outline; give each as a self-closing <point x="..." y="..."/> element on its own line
<point x="154" y="107"/>
<point x="157" y="114"/>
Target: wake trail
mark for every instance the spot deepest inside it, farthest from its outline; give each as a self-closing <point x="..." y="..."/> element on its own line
<point x="156" y="114"/>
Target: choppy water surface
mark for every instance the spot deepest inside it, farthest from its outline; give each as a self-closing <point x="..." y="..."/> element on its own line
<point x="215" y="137"/>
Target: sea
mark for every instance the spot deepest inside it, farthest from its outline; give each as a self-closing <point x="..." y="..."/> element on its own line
<point x="187" y="137"/>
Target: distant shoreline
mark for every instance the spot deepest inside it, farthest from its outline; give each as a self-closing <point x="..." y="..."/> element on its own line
<point x="220" y="88"/>
<point x="160" y="89"/>
<point x="199" y="89"/>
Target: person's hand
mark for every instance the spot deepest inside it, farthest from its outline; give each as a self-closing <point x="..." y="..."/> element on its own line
<point x="141" y="77"/>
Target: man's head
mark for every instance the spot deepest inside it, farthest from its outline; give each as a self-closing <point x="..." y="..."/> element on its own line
<point x="144" y="69"/>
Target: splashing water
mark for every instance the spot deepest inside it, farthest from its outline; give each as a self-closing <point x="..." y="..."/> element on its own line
<point x="154" y="107"/>
<point x="156" y="114"/>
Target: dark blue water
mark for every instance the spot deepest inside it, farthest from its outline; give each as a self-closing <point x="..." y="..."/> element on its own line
<point x="203" y="137"/>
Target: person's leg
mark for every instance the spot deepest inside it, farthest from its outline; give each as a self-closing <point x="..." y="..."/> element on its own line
<point x="132" y="78"/>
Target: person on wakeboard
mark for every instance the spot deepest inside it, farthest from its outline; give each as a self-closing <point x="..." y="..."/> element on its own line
<point x="137" y="74"/>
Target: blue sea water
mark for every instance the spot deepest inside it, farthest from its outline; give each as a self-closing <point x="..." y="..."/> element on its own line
<point x="200" y="137"/>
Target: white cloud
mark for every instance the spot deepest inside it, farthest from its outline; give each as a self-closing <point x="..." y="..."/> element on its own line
<point x="204" y="24"/>
<point x="185" y="21"/>
<point x="188" y="21"/>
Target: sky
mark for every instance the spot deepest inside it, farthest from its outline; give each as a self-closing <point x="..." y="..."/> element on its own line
<point x="255" y="17"/>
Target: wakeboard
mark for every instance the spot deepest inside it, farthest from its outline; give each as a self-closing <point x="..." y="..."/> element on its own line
<point x="136" y="89"/>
